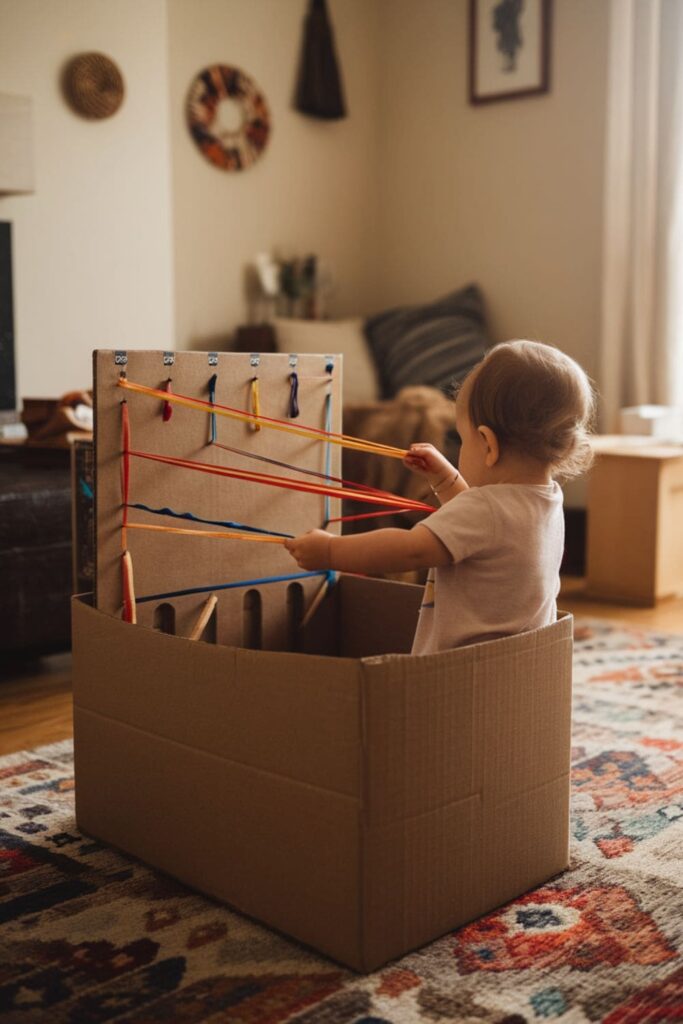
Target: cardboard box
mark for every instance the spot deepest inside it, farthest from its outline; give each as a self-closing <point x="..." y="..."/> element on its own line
<point x="361" y="800"/>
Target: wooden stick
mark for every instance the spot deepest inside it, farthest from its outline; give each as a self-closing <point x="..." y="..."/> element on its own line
<point x="316" y="602"/>
<point x="129" y="608"/>
<point x="204" y="616"/>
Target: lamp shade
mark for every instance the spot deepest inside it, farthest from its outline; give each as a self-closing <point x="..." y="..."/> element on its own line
<point x="16" y="145"/>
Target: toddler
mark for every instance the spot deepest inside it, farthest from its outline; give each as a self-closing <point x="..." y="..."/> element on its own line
<point x="494" y="547"/>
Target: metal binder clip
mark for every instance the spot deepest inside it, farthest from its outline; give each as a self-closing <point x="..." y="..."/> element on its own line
<point x="120" y="358"/>
<point x="169" y="358"/>
<point x="213" y="358"/>
<point x="255" y="359"/>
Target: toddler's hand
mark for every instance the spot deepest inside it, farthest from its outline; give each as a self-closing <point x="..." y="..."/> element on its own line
<point x="428" y="461"/>
<point x="311" y="550"/>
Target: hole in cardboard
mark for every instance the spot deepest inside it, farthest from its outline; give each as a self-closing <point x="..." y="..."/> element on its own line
<point x="164" y="618"/>
<point x="295" y="614"/>
<point x="251" y="621"/>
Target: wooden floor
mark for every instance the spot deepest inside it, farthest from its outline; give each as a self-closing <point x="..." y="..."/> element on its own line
<point x="35" y="703"/>
<point x="35" y="699"/>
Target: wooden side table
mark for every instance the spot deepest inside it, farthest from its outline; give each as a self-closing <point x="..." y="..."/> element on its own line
<point x="635" y="521"/>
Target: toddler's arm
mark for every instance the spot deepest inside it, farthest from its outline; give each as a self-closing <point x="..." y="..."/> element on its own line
<point x="443" y="478"/>
<point x="376" y="551"/>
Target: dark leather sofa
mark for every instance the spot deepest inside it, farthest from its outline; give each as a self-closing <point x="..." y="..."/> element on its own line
<point x="35" y="557"/>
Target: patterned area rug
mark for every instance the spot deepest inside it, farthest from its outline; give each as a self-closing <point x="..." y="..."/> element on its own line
<point x="87" y="935"/>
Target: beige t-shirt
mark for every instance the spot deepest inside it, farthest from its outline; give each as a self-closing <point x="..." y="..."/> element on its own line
<point x="506" y="542"/>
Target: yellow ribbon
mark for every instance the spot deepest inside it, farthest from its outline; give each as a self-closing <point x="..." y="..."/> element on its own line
<point x="341" y="439"/>
<point x="255" y="403"/>
<point x="218" y="534"/>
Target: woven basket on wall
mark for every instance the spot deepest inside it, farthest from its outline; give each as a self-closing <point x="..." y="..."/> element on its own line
<point x="93" y="85"/>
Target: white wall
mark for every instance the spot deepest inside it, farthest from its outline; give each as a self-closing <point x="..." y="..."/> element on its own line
<point x="314" y="189"/>
<point x="508" y="194"/>
<point x="92" y="246"/>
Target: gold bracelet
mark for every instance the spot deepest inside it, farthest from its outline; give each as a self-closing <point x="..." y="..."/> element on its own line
<point x="438" y="490"/>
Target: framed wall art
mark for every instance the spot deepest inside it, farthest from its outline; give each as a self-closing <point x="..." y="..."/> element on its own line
<point x="509" y="49"/>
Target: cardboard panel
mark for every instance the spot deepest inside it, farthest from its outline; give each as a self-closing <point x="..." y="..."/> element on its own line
<point x="364" y="618"/>
<point x="421" y="879"/>
<point x="377" y="616"/>
<point x="493" y="718"/>
<point x="284" y="852"/>
<point x="524" y="842"/>
<point x="524" y="692"/>
<point x="322" y="634"/>
<point x="164" y="562"/>
<point x="466" y="783"/>
<point x="419" y="734"/>
<point x="294" y="716"/>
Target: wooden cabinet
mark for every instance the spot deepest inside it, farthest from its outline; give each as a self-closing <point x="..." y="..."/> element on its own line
<point x="635" y="521"/>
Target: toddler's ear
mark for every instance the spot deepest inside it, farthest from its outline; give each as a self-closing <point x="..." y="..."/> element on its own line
<point x="492" y="447"/>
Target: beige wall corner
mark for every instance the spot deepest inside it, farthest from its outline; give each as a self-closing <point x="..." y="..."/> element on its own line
<point x="508" y="195"/>
<point x="92" y="245"/>
<point x="313" y="190"/>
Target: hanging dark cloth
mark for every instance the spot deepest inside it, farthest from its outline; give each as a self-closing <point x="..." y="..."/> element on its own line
<point x="319" y="90"/>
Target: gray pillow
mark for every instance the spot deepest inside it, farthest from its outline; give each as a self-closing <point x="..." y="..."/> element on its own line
<point x="436" y="344"/>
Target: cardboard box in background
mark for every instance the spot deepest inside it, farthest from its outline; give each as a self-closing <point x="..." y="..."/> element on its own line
<point x="361" y="800"/>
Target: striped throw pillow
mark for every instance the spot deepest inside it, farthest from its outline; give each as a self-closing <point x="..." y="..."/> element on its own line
<point x="435" y="344"/>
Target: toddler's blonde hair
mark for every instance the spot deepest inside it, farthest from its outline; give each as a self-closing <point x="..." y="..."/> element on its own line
<point x="537" y="401"/>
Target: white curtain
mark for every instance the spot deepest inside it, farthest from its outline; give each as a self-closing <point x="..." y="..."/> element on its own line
<point x="642" y="313"/>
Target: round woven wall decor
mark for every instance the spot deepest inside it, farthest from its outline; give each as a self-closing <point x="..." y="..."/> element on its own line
<point x="231" y="150"/>
<point x="94" y="85"/>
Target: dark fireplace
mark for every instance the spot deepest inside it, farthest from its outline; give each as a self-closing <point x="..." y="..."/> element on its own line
<point x="8" y="397"/>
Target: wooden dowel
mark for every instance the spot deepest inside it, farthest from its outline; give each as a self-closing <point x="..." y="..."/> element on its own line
<point x="129" y="608"/>
<point x="316" y="602"/>
<point x="204" y="616"/>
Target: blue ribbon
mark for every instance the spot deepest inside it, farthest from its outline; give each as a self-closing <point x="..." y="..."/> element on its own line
<point x="230" y="586"/>
<point x="211" y="522"/>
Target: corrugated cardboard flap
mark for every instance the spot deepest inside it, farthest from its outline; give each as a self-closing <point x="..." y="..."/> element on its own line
<point x="454" y="746"/>
<point x="235" y="771"/>
<point x="283" y="713"/>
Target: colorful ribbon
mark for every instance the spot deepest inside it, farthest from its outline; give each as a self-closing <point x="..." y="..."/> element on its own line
<point x="344" y="440"/>
<point x="229" y="586"/>
<point x="128" y="588"/>
<point x="255" y="404"/>
<point x="125" y="468"/>
<point x="293" y="395"/>
<point x="167" y="408"/>
<point x="213" y="534"/>
<point x="165" y="511"/>
<point x="212" y="398"/>
<point x="328" y="447"/>
<point x="295" y="485"/>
